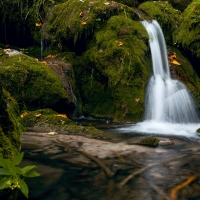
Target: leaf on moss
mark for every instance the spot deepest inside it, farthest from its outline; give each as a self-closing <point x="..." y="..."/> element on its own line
<point x="23" y="114"/>
<point x="61" y="115"/>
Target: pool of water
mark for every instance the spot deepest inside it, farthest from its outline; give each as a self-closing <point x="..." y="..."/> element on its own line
<point x="165" y="172"/>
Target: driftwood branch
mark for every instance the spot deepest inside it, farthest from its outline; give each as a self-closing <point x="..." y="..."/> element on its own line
<point x="107" y="171"/>
<point x="145" y="168"/>
<point x="175" y="190"/>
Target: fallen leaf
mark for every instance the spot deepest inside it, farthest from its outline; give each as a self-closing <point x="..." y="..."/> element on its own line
<point x="107" y="3"/>
<point x="43" y="62"/>
<point x="61" y="115"/>
<point x="120" y="44"/>
<point x="81" y="14"/>
<point x="83" y="23"/>
<point x="137" y="99"/>
<point x="38" y="115"/>
<point x="23" y="114"/>
<point x="175" y="62"/>
<point x="52" y="133"/>
<point x="38" y="24"/>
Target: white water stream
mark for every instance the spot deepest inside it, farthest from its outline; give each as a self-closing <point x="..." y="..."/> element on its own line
<point x="169" y="108"/>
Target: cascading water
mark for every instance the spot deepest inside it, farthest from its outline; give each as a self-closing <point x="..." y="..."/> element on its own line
<point x="167" y="100"/>
<point x="169" y="107"/>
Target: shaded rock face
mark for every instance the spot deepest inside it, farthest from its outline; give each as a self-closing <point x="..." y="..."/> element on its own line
<point x="33" y="84"/>
<point x="10" y="129"/>
<point x="180" y="4"/>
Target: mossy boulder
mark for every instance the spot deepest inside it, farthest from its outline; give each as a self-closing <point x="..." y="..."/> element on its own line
<point x="188" y="33"/>
<point x="165" y="14"/>
<point x="149" y="141"/>
<point x="115" y="70"/>
<point x="33" y="84"/>
<point x="10" y="127"/>
<point x="72" y="24"/>
<point x="49" y="120"/>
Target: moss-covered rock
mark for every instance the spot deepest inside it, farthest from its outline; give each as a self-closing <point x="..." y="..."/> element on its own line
<point x="114" y="70"/>
<point x="49" y="120"/>
<point x="72" y="24"/>
<point x="33" y="84"/>
<point x="149" y="141"/>
<point x="10" y="127"/>
<point x="188" y="33"/>
<point x="165" y="14"/>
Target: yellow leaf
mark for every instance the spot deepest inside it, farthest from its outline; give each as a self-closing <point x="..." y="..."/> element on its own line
<point x="23" y="114"/>
<point x="61" y="115"/>
<point x="38" y="115"/>
<point x="83" y="23"/>
<point x="38" y="24"/>
<point x="175" y="62"/>
<point x="120" y="44"/>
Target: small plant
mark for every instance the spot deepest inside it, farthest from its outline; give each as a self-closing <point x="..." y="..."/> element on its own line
<point x="12" y="176"/>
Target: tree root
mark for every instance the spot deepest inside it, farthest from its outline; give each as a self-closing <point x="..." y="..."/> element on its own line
<point x="107" y="171"/>
<point x="175" y="190"/>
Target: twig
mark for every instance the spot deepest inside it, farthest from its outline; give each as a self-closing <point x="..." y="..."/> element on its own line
<point x="108" y="172"/>
<point x="175" y="190"/>
<point x="143" y="169"/>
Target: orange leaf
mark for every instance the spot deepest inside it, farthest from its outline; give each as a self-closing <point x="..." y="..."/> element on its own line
<point x="120" y="44"/>
<point x="23" y="114"/>
<point x="38" y="24"/>
<point x="61" y="115"/>
<point x="83" y="23"/>
<point x="175" y="62"/>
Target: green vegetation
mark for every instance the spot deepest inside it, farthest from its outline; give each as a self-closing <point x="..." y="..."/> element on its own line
<point x="30" y="82"/>
<point x="188" y="33"/>
<point x="165" y="14"/>
<point x="12" y="176"/>
<point x="49" y="120"/>
<point x="10" y="127"/>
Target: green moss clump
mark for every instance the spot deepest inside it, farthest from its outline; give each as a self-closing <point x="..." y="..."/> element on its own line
<point x="75" y="22"/>
<point x="31" y="83"/>
<point x="198" y="130"/>
<point x="10" y="127"/>
<point x="188" y="33"/>
<point x="149" y="141"/>
<point x="113" y="71"/>
<point x="165" y="14"/>
<point x="49" y="120"/>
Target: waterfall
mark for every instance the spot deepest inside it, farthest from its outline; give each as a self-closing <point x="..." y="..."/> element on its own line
<point x="167" y="100"/>
<point x="169" y="106"/>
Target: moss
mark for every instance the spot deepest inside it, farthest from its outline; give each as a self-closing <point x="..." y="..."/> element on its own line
<point x="114" y="73"/>
<point x="149" y="141"/>
<point x="84" y="18"/>
<point x="198" y="130"/>
<point x="165" y="14"/>
<point x="189" y="27"/>
<point x="10" y="127"/>
<point x="30" y="82"/>
<point x="48" y="120"/>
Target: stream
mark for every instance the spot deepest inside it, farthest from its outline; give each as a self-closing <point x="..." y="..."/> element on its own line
<point x="125" y="171"/>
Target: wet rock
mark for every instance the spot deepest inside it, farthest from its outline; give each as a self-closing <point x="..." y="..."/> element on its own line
<point x="149" y="141"/>
<point x="165" y="142"/>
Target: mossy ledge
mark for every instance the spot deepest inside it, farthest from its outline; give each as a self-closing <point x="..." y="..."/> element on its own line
<point x="49" y="120"/>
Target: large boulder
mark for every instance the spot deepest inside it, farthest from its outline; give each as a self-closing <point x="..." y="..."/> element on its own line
<point x="33" y="84"/>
